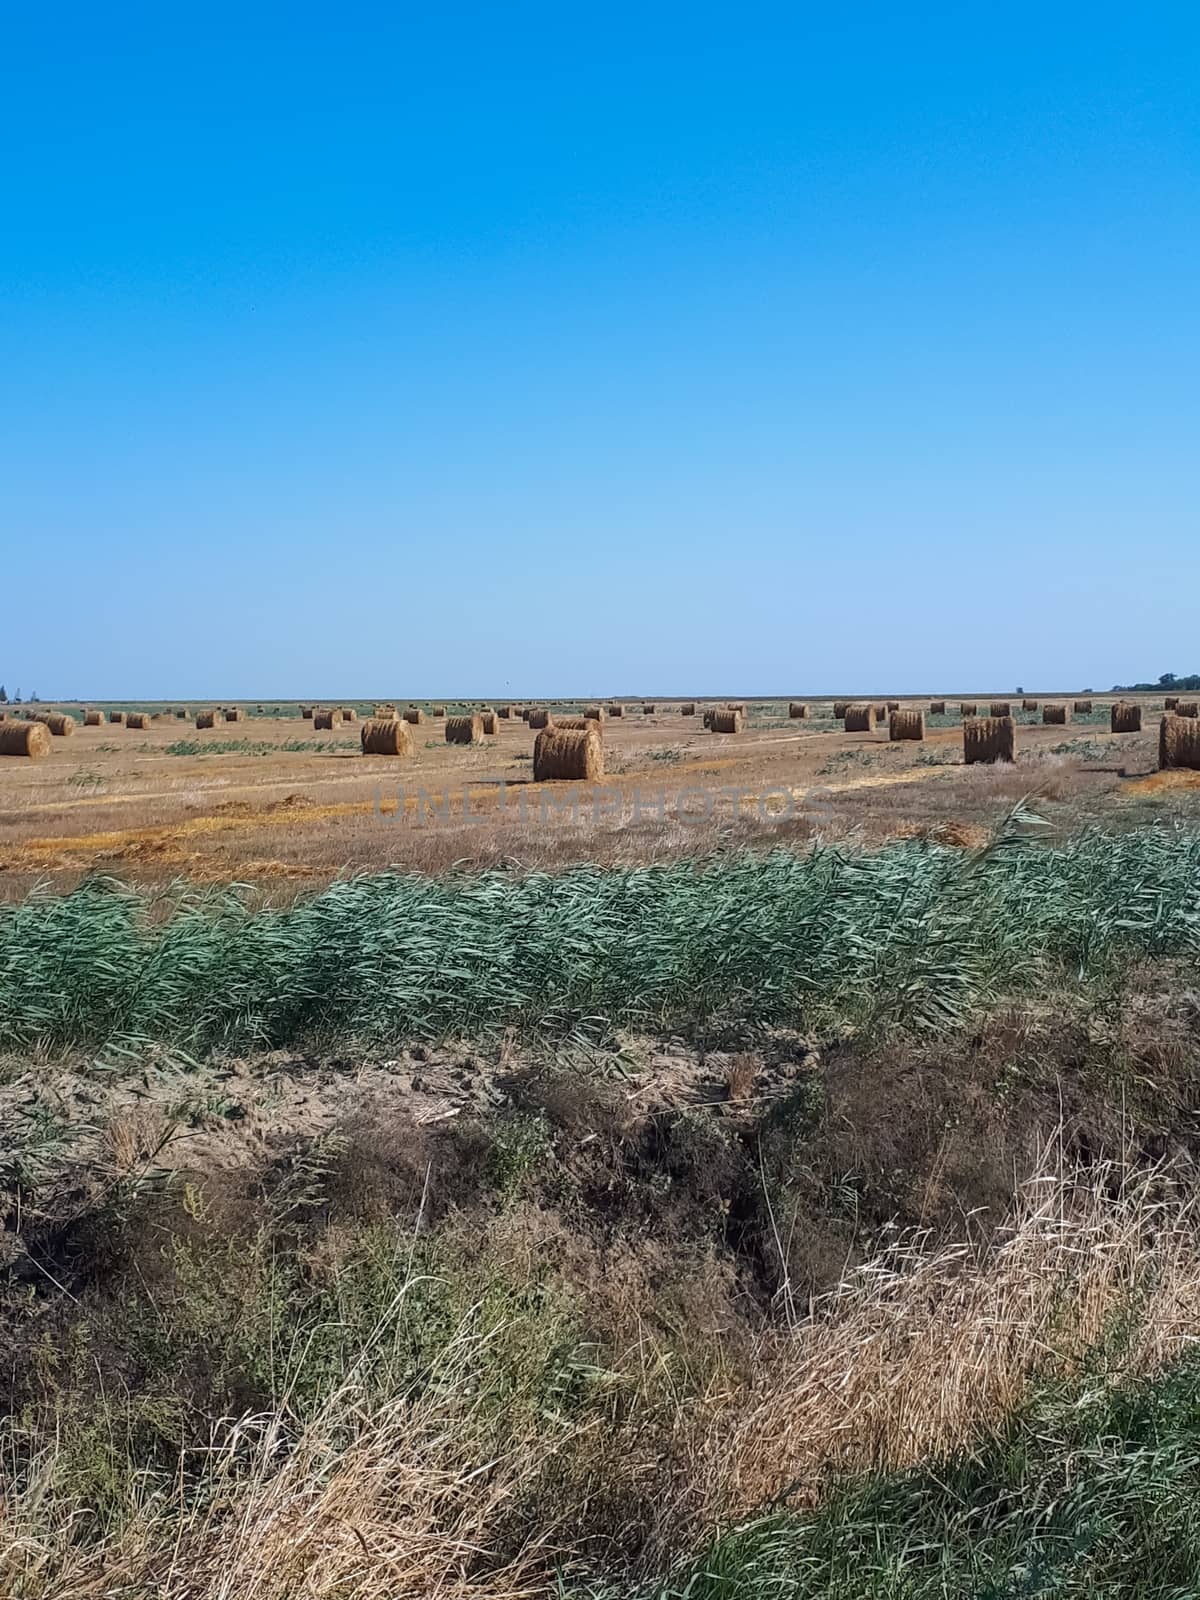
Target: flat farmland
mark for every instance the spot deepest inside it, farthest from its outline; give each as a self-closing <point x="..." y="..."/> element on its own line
<point x="267" y="798"/>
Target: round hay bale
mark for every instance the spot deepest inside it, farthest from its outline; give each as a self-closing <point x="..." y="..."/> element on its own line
<point x="647" y="711"/>
<point x="1170" y="702"/>
<point x="464" y="730"/>
<point x="385" y="736"/>
<point x="1000" y="708"/>
<point x="93" y="719"/>
<point x="137" y="720"/>
<point x="688" y="708"/>
<point x="349" y="714"/>
<point x="414" y="716"/>
<point x="1126" y="717"/>
<point x="60" y="725"/>
<point x="325" y="717"/>
<point x="574" y="722"/>
<point x="181" y="715"/>
<point x="908" y="724"/>
<point x="525" y="713"/>
<point x="1082" y="707"/>
<point x="1185" y="708"/>
<point x="439" y="711"/>
<point x="859" y="719"/>
<point x="1054" y="714"/>
<point x="489" y="722"/>
<point x="594" y="713"/>
<point x="306" y="712"/>
<point x="797" y="710"/>
<point x="1179" y="741"/>
<point x="568" y="753"/>
<point x="538" y="718"/>
<point x="116" y="716"/>
<point x="207" y="719"/>
<point x="616" y="711"/>
<point x="989" y="739"/>
<point x="234" y="713"/>
<point x="729" y="721"/>
<point x="1029" y="705"/>
<point x="892" y="705"/>
<point x="504" y="713"/>
<point x="968" y="708"/>
<point x="30" y="739"/>
<point x="937" y="708"/>
<point x="840" y="707"/>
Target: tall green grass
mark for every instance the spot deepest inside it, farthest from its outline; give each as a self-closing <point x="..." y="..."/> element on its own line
<point x="913" y="934"/>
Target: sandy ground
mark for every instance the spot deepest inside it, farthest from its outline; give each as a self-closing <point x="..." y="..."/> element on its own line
<point x="118" y="800"/>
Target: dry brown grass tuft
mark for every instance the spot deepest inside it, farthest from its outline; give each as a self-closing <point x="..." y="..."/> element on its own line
<point x="922" y="1349"/>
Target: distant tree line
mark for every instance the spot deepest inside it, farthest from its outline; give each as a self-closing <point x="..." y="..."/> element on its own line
<point x="1169" y="680"/>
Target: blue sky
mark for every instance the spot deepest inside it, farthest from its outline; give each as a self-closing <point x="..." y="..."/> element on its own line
<point x="542" y="349"/>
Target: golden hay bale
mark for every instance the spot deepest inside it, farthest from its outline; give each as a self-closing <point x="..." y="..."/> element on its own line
<point x="860" y="719"/>
<point x="234" y="713"/>
<point x="1185" y="708"/>
<point x="1170" y="702"/>
<point x="840" y="708"/>
<point x="968" y="708"/>
<point x="538" y="718"/>
<point x="989" y="739"/>
<point x="525" y="713"/>
<point x="688" y="708"/>
<point x="1055" y="714"/>
<point x="797" y="710"/>
<point x="647" y="711"/>
<point x="730" y="721"/>
<point x="439" y="711"/>
<point x="489" y="722"/>
<point x="1179" y="741"/>
<point x="1126" y="717"/>
<point x="385" y="736"/>
<point x="892" y="705"/>
<point x="568" y="753"/>
<point x="464" y="730"/>
<point x="181" y="714"/>
<point x="349" y="714"/>
<point x="708" y="716"/>
<point x="594" y="713"/>
<point x="414" y="715"/>
<point x="906" y="725"/>
<point x="574" y="722"/>
<point x="1029" y="705"/>
<point x="616" y="711"/>
<point x="504" y="712"/>
<point x="1082" y="707"/>
<point x="937" y="708"/>
<point x="25" y="739"/>
<point x="1000" y="708"/>
<point x="880" y="710"/>
<point x="207" y="719"/>
<point x="384" y="713"/>
<point x="137" y="720"/>
<point x="60" y="724"/>
<point x="93" y="719"/>
<point x="306" y="712"/>
<point x="116" y="716"/>
<point x="325" y="717"/>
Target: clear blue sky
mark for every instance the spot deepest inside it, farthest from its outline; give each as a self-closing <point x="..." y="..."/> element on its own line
<point x="354" y="349"/>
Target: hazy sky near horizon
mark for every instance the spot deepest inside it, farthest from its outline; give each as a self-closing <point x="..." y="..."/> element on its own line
<point x="376" y="349"/>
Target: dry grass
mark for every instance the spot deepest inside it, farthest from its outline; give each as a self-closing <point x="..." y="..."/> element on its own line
<point x="926" y="1347"/>
<point x="392" y="1491"/>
